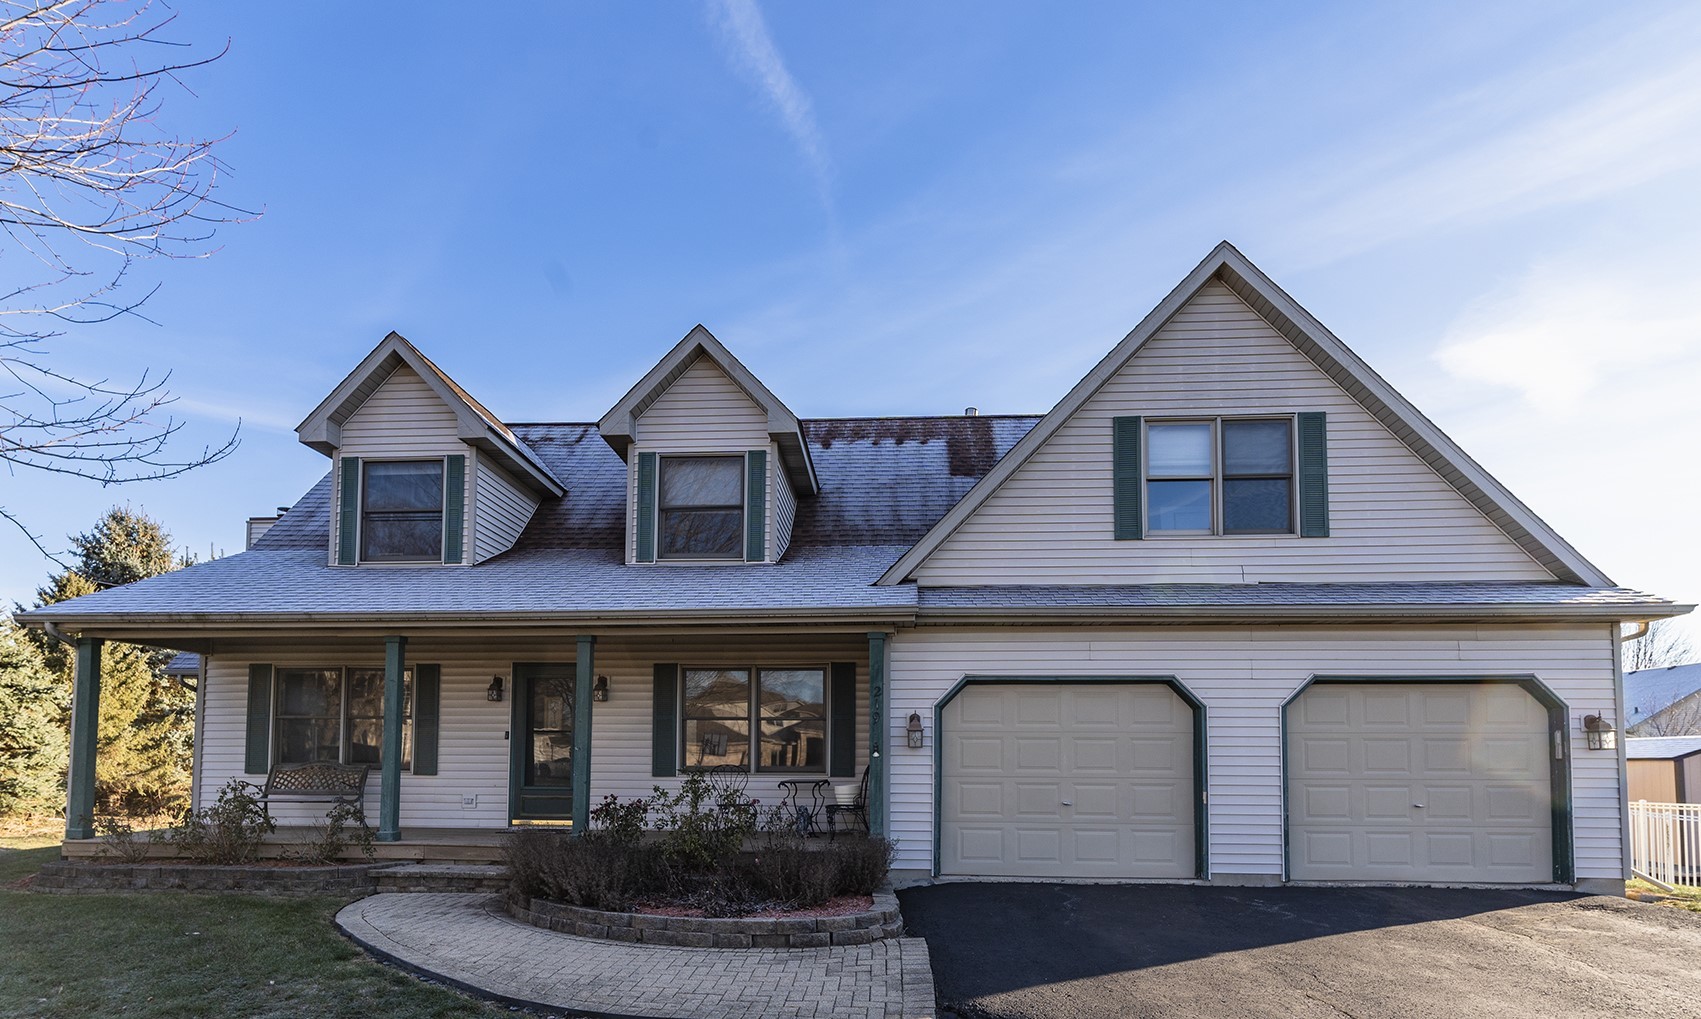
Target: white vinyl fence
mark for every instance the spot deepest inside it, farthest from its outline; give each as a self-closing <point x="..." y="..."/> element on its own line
<point x="1665" y="842"/>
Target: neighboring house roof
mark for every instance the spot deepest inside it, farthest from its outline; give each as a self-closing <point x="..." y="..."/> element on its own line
<point x="185" y="663"/>
<point x="618" y="425"/>
<point x="322" y="429"/>
<point x="1355" y="377"/>
<point x="1647" y="692"/>
<point x="1661" y="748"/>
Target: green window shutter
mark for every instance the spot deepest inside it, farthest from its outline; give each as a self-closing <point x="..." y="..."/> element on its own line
<point x="454" y="507"/>
<point x="664" y="722"/>
<point x="1126" y="481"/>
<point x="1313" y="476"/>
<point x="841" y="721"/>
<point x="348" y="517"/>
<point x="258" y="759"/>
<point x="427" y="696"/>
<point x="646" y="520"/>
<point x="756" y="506"/>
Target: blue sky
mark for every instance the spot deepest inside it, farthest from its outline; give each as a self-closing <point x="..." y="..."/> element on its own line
<point x="902" y="208"/>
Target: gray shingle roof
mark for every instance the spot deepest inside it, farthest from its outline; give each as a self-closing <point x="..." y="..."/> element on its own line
<point x="1135" y="596"/>
<point x="1661" y="748"/>
<point x="1650" y="691"/>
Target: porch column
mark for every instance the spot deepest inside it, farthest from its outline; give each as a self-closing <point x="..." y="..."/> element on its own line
<point x="390" y="759"/>
<point x="85" y="727"/>
<point x="584" y="674"/>
<point x="876" y="734"/>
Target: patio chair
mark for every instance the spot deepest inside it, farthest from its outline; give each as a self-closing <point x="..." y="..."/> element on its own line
<point x="857" y="808"/>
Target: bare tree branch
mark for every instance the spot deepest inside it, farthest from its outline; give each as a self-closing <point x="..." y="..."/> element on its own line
<point x="91" y="186"/>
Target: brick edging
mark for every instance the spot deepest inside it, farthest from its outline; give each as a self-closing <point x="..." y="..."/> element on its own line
<point x="881" y="922"/>
<point x="73" y="877"/>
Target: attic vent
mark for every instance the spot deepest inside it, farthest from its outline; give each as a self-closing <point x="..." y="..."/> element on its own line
<point x="970" y="412"/>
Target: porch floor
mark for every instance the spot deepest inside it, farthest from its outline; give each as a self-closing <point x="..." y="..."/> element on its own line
<point x="442" y="845"/>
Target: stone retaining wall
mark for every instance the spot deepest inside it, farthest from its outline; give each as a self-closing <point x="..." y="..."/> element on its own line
<point x="882" y="921"/>
<point x="75" y="876"/>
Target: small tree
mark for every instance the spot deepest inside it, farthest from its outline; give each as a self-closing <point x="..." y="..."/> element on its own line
<point x="33" y="748"/>
<point x="1664" y="644"/>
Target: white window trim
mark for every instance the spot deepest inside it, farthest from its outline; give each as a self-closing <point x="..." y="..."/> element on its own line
<point x="442" y="511"/>
<point x="1216" y="479"/>
<point x="276" y="744"/>
<point x="743" y="500"/>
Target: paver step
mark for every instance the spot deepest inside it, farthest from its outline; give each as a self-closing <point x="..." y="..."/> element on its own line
<point x="441" y="877"/>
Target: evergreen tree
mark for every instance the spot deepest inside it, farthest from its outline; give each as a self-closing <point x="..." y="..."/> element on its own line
<point x="147" y="719"/>
<point x="33" y="749"/>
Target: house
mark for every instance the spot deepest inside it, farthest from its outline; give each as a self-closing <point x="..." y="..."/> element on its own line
<point x="1663" y="702"/>
<point x="1664" y="769"/>
<point x="1232" y="611"/>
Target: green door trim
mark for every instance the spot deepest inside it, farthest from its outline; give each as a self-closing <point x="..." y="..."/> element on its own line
<point x="1201" y="778"/>
<point x="519" y="697"/>
<point x="1559" y="769"/>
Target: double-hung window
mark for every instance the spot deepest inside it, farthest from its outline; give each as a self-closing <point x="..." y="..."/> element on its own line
<point x="401" y="511"/>
<point x="337" y="714"/>
<point x="768" y="719"/>
<point x="1220" y="476"/>
<point x="701" y="510"/>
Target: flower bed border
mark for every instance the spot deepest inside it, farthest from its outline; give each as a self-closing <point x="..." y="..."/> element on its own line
<point x="72" y="876"/>
<point x="880" y="922"/>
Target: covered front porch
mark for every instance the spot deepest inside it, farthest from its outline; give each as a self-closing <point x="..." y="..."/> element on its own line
<point x="469" y="734"/>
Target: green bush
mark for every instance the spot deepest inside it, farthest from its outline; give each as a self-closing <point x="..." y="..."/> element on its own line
<point x="343" y="826"/>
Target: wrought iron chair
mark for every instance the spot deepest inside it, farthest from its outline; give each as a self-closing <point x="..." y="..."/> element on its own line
<point x="858" y="808"/>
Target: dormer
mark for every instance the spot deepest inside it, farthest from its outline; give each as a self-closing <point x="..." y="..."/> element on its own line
<point x="715" y="462"/>
<point x="423" y="473"/>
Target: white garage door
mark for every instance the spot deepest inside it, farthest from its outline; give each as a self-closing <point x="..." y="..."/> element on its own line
<point x="1067" y="780"/>
<point x="1419" y="782"/>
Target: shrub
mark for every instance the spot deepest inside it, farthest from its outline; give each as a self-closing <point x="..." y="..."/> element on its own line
<point x="622" y="822"/>
<point x="343" y="826"/>
<point x="598" y="873"/>
<point x="120" y="839"/>
<point x="229" y="831"/>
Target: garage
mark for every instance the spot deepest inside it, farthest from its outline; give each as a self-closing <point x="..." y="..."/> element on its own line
<point x="1058" y="779"/>
<point x="1413" y="781"/>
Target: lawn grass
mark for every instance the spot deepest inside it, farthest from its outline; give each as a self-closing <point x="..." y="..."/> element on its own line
<point x="168" y="954"/>
<point x="1685" y="896"/>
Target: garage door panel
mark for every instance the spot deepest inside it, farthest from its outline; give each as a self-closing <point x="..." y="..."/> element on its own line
<point x="1474" y="804"/>
<point x="1059" y="797"/>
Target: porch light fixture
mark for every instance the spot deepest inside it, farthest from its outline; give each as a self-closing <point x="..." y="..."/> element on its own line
<point x="1599" y="733"/>
<point x="599" y="689"/>
<point x="494" y="691"/>
<point x="916" y="733"/>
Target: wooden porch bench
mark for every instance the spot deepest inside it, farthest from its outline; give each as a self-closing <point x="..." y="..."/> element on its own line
<point x="325" y="781"/>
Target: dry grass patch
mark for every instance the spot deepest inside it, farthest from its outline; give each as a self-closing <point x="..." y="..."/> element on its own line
<point x="1684" y="897"/>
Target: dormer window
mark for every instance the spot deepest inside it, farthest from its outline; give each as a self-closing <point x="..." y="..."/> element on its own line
<point x="401" y="512"/>
<point x="701" y="509"/>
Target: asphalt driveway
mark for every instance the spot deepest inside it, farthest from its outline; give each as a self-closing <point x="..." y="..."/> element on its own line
<point x="1076" y="951"/>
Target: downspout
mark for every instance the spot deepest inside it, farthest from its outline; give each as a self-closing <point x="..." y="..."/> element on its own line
<point x="1640" y="632"/>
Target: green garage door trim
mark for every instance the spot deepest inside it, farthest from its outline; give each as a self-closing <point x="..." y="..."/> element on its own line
<point x="1201" y="820"/>
<point x="1559" y="770"/>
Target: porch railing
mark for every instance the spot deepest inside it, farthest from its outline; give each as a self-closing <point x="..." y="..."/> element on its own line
<point x="1665" y="842"/>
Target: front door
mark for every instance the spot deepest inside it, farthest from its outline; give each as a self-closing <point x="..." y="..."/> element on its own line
<point x="541" y="766"/>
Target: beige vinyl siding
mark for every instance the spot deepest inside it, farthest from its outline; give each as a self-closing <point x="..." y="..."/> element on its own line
<point x="503" y="510"/>
<point x="784" y="508"/>
<point x="1243" y="675"/>
<point x="403" y="419"/>
<point x="1392" y="518"/>
<point x="473" y="749"/>
<point x="704" y="412"/>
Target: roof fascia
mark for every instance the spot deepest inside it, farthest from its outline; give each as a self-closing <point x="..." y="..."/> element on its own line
<point x="1334" y="358"/>
<point x="1218" y="614"/>
<point x="322" y="428"/>
<point x="618" y="424"/>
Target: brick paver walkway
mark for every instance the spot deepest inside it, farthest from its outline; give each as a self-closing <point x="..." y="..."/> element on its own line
<point x="466" y="939"/>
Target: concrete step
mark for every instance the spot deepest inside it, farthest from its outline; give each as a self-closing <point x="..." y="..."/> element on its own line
<point x="441" y="877"/>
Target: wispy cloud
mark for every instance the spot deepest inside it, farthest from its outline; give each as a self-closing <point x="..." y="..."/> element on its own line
<point x="752" y="50"/>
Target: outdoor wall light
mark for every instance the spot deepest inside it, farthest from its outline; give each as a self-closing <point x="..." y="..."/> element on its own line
<point x="599" y="689"/>
<point x="916" y="733"/>
<point x="1599" y="733"/>
<point x="494" y="691"/>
